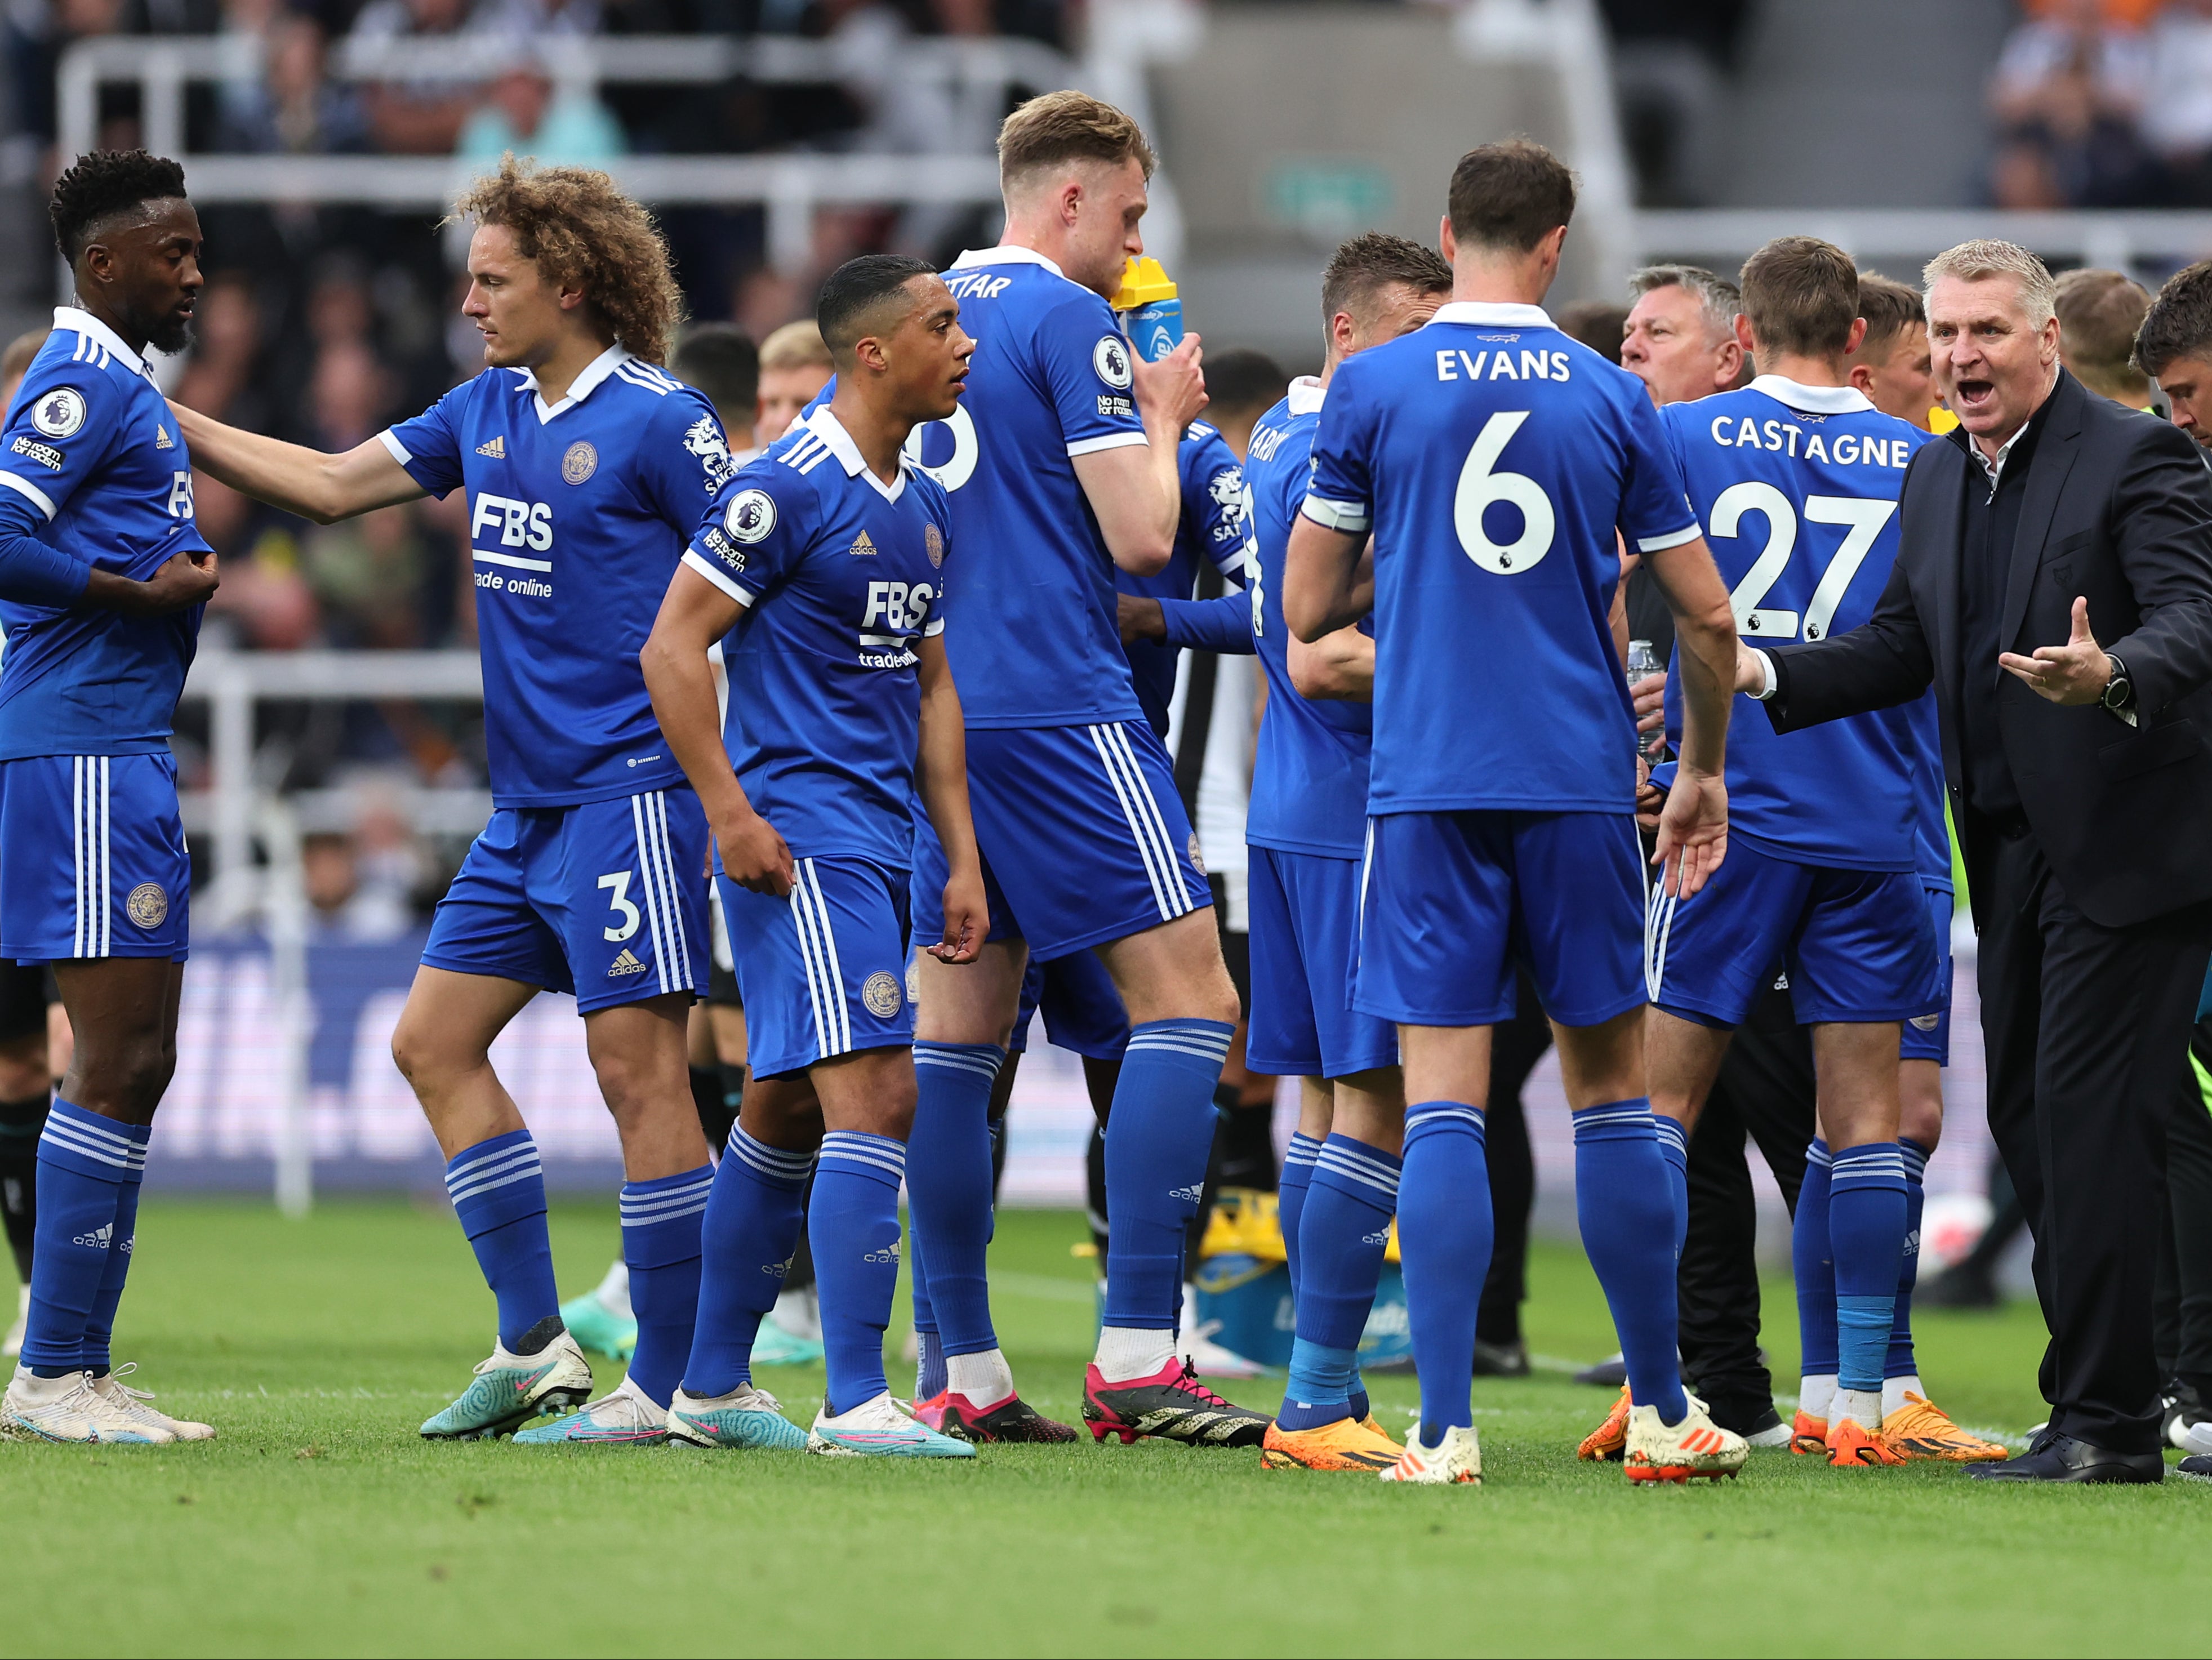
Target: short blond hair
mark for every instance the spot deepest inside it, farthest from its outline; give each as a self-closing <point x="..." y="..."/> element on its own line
<point x="1969" y="262"/>
<point x="796" y="346"/>
<point x="1060" y="127"/>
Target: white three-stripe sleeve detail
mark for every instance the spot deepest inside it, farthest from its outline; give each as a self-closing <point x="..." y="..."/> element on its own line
<point x="1107" y="760"/>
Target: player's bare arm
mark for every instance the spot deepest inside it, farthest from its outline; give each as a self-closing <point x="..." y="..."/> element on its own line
<point x="314" y="485"/>
<point x="693" y="616"/>
<point x="1136" y="490"/>
<point x="1693" y="825"/>
<point x="1337" y="665"/>
<point x="1326" y="583"/>
<point x="940" y="777"/>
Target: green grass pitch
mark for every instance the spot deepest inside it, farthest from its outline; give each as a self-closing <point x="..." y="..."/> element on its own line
<point x="320" y="1523"/>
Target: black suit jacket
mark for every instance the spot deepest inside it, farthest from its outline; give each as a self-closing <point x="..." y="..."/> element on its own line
<point x="2118" y="508"/>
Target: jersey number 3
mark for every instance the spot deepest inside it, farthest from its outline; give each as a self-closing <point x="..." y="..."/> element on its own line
<point x="1863" y="519"/>
<point x="618" y="903"/>
<point x="1480" y="484"/>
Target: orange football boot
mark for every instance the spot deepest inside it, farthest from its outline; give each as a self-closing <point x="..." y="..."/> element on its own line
<point x="1347" y="1444"/>
<point x="1851" y="1445"/>
<point x="1609" y="1440"/>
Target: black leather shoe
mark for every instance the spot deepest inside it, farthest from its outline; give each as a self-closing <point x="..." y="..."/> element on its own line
<point x="2199" y="1468"/>
<point x="1501" y="1359"/>
<point x="2063" y="1458"/>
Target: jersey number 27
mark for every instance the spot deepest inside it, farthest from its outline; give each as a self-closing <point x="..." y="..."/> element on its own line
<point x="1862" y="520"/>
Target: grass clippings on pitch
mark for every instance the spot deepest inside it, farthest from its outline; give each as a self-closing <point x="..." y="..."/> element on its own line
<point x="320" y="1523"/>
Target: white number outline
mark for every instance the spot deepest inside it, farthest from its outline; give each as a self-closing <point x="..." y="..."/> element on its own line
<point x="1478" y="486"/>
<point x="1866" y="515"/>
<point x="619" y="904"/>
<point x="1754" y="496"/>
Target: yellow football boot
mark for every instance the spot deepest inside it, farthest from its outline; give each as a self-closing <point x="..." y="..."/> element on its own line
<point x="1921" y="1429"/>
<point x="1347" y="1444"/>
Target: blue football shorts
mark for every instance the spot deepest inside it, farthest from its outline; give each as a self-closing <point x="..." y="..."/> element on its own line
<point x="1082" y="1011"/>
<point x="822" y="970"/>
<point x="1857" y="945"/>
<point x="607" y="900"/>
<point x="1450" y="902"/>
<point x="1305" y="935"/>
<point x="1927" y="1035"/>
<point x="92" y="859"/>
<point x="1083" y="835"/>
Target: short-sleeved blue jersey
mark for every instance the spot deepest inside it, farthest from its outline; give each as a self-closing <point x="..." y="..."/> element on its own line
<point x="578" y="512"/>
<point x="1212" y="531"/>
<point x="839" y="574"/>
<point x="93" y="467"/>
<point x="1797" y="487"/>
<point x="1494" y="457"/>
<point x="1309" y="769"/>
<point x="1037" y="644"/>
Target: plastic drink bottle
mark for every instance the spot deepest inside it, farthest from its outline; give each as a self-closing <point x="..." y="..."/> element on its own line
<point x="1150" y="310"/>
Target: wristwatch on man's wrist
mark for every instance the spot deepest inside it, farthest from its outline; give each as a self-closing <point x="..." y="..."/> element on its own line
<point x="2119" y="693"/>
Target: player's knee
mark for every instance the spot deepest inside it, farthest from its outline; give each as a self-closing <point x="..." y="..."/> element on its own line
<point x="127" y="1074"/>
<point x="426" y="1059"/>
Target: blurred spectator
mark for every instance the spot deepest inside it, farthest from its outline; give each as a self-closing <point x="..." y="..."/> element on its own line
<point x="524" y="112"/>
<point x="15" y="363"/>
<point x="720" y="359"/>
<point x="347" y="905"/>
<point x="2066" y="39"/>
<point x="795" y="365"/>
<point x="367" y="576"/>
<point x="2066" y="93"/>
<point x="1679" y="339"/>
<point x="2177" y="105"/>
<point x="37" y="33"/>
<point x="297" y="109"/>
<point x="1598" y="324"/>
<point x="415" y="118"/>
<point x="349" y="396"/>
<point x="2099" y="313"/>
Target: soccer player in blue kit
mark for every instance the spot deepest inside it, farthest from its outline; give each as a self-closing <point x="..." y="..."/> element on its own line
<point x="1797" y="478"/>
<point x="588" y="468"/>
<point x="823" y="562"/>
<point x="1306" y="828"/>
<point x="103" y="578"/>
<point x="1064" y="466"/>
<point x="1493" y="458"/>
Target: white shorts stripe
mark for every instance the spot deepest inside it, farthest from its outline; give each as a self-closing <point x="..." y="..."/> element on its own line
<point x="679" y="971"/>
<point x="76" y="848"/>
<point x="1149" y="809"/>
<point x="822" y="985"/>
<point x="836" y="969"/>
<point x="1166" y="885"/>
<point x="106" y="896"/>
<point x="640" y="811"/>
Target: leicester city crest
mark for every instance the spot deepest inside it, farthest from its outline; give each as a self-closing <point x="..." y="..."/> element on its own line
<point x="932" y="543"/>
<point x="148" y="905"/>
<point x="580" y="462"/>
<point x="880" y="992"/>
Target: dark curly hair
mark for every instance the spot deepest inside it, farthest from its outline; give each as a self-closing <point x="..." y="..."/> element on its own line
<point x="101" y="185"/>
<point x="579" y="228"/>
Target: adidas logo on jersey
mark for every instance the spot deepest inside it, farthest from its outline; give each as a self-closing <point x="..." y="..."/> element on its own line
<point x="862" y="547"/>
<point x="161" y="439"/>
<point x="98" y="1239"/>
<point x="496" y="448"/>
<point x="625" y="964"/>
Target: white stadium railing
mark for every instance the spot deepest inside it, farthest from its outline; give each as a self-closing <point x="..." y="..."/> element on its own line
<point x="2121" y="238"/>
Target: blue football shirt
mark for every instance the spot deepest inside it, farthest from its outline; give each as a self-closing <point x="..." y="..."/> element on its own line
<point x="1797" y="487"/>
<point x="1494" y="457"/>
<point x="1212" y="531"/>
<point x="1309" y="768"/>
<point x="1931" y="828"/>
<point x="839" y="574"/>
<point x="94" y="469"/>
<point x="1038" y="644"/>
<point x="578" y="512"/>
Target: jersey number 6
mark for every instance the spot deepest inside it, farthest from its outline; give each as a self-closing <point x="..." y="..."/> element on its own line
<point x="1481" y="484"/>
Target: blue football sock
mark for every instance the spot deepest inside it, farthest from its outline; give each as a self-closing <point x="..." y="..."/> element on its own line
<point x="1901" y="1361"/>
<point x="122" y="1244"/>
<point x="84" y="1162"/>
<point x="498" y="1190"/>
<point x="1342" y="1232"/>
<point x="853" y="1225"/>
<point x="948" y="1188"/>
<point x="1290" y="1192"/>
<point x="746" y="1239"/>
<point x="1814" y="1268"/>
<point x="1444" y="1237"/>
<point x="1622" y="1199"/>
<point x="1158" y="1139"/>
<point x="1866" y="1231"/>
<point x="661" y="1228"/>
<point x="1674" y="1148"/>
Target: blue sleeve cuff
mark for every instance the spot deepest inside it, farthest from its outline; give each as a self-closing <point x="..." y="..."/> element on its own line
<point x="1222" y="625"/>
<point x="32" y="574"/>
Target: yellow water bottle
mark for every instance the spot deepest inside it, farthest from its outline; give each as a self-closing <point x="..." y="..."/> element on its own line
<point x="1149" y="309"/>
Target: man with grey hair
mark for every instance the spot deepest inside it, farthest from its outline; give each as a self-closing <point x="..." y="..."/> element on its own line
<point x="1679" y="339"/>
<point x="2071" y="760"/>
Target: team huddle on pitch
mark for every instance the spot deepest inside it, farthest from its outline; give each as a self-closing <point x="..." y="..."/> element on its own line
<point x="870" y="677"/>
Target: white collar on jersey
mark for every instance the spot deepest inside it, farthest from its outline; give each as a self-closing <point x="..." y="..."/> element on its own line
<point x="1497" y="313"/>
<point x="1006" y="254"/>
<point x="1814" y="400"/>
<point x="1305" y="394"/>
<point x="831" y="431"/>
<point x="84" y="323"/>
<point x="581" y="387"/>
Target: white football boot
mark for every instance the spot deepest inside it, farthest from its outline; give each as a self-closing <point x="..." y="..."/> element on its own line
<point x="1457" y="1460"/>
<point x="137" y="1406"/>
<point x="13" y="1344"/>
<point x="880" y="1428"/>
<point x="68" y="1408"/>
<point x="1675" y="1452"/>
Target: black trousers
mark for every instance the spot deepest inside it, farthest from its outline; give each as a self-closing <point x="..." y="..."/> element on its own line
<point x="2085" y="1026"/>
<point x="1764" y="1093"/>
<point x="1515" y="1049"/>
<point x="2182" y="1305"/>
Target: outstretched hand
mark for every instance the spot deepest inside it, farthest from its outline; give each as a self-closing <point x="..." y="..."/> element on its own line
<point x="2073" y="674"/>
<point x="1692" y="830"/>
